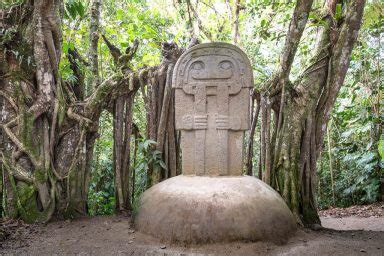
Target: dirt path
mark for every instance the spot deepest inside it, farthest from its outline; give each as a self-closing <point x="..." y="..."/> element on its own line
<point x="354" y="223"/>
<point x="358" y="217"/>
<point x="113" y="235"/>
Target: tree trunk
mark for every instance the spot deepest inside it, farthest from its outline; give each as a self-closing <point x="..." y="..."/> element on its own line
<point x="255" y="118"/>
<point x="45" y="173"/>
<point x="303" y="107"/>
<point x="48" y="173"/>
<point x="93" y="46"/>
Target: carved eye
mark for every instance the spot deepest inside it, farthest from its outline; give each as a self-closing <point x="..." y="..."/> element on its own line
<point x="225" y="65"/>
<point x="198" y="65"/>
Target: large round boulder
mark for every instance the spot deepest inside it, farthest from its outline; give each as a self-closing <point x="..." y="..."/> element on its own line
<point x="198" y="209"/>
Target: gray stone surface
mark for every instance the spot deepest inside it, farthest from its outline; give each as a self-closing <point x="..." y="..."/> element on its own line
<point x="212" y="83"/>
<point x="199" y="209"/>
<point x="211" y="201"/>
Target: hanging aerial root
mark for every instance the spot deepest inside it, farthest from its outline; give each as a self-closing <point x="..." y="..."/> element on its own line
<point x="165" y="110"/>
<point x="19" y="174"/>
<point x="81" y="119"/>
<point x="53" y="127"/>
<point x="16" y="171"/>
<point x="19" y="206"/>
<point x="20" y="145"/>
<point x="75" y="160"/>
<point x="251" y="140"/>
<point x="10" y="100"/>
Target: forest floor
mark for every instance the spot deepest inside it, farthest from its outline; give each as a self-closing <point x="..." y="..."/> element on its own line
<point x="350" y="231"/>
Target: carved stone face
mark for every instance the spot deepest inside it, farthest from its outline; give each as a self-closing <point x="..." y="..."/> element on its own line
<point x="211" y="67"/>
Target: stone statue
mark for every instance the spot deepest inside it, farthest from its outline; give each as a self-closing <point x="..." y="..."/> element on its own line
<point x="212" y="84"/>
<point x="212" y="201"/>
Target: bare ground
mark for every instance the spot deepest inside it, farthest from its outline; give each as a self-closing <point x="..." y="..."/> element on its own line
<point x="114" y="235"/>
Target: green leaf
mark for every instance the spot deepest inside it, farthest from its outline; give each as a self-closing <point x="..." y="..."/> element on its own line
<point x="157" y="152"/>
<point x="263" y="22"/>
<point x="147" y="143"/>
<point x="120" y="14"/>
<point x="80" y="9"/>
<point x="381" y="149"/>
<point x="338" y="11"/>
<point x="347" y="133"/>
<point x="162" y="164"/>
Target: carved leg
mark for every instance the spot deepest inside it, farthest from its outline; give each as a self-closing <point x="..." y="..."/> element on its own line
<point x="200" y="152"/>
<point x="200" y="126"/>
<point x="222" y="126"/>
<point x="223" y="151"/>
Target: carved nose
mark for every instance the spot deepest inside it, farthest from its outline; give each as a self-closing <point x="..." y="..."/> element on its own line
<point x="216" y="73"/>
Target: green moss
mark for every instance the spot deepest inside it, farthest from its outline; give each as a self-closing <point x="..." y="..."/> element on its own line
<point x="62" y="108"/>
<point x="25" y="192"/>
<point x="26" y="123"/>
<point x="40" y="176"/>
<point x="27" y="198"/>
<point x="70" y="211"/>
<point x="28" y="208"/>
<point x="135" y="207"/>
<point x="18" y="207"/>
<point x="25" y="203"/>
<point x="310" y="216"/>
<point x="74" y="208"/>
<point x="103" y="90"/>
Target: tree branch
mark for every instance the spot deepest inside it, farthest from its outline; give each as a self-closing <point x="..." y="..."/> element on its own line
<point x="292" y="40"/>
<point x="115" y="52"/>
<point x="339" y="63"/>
<point x="93" y="45"/>
<point x="235" y="22"/>
<point x="78" y="86"/>
<point x="199" y="21"/>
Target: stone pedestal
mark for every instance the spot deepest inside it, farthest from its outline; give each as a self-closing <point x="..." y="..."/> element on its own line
<point x="192" y="209"/>
<point x="212" y="201"/>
